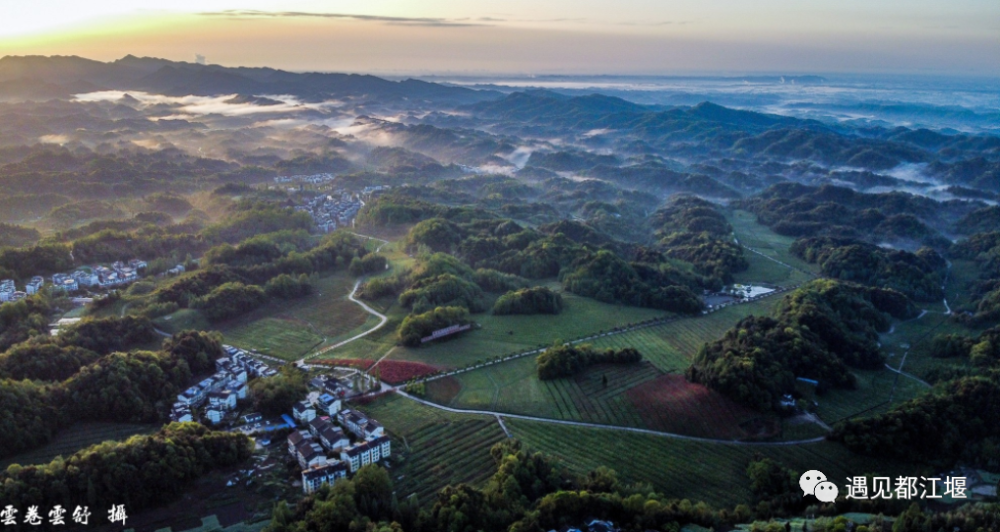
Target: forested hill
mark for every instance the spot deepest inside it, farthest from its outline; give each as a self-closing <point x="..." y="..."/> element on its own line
<point x="63" y="76"/>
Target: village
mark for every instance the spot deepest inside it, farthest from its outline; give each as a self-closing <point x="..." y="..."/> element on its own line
<point x="118" y="274"/>
<point x="324" y="451"/>
<point x="330" y="211"/>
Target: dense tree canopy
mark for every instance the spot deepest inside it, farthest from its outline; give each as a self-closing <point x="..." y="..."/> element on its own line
<point x="817" y="332"/>
<point x="568" y="360"/>
<point x="918" y="275"/>
<point x="140" y="472"/>
<point x="417" y="326"/>
<point x="534" y="300"/>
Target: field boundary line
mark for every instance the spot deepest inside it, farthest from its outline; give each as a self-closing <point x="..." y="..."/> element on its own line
<point x="607" y="427"/>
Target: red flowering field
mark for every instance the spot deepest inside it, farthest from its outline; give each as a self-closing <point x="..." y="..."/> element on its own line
<point x="400" y="371"/>
<point x="671" y="403"/>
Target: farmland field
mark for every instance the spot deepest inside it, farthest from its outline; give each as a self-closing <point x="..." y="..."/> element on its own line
<point x="500" y="335"/>
<point x="715" y="473"/>
<point x="432" y="448"/>
<point x="764" y="270"/>
<point x="672" y="404"/>
<point x="514" y="387"/>
<point x="913" y="337"/>
<point x="78" y="437"/>
<point x="671" y="346"/>
<point x="875" y="388"/>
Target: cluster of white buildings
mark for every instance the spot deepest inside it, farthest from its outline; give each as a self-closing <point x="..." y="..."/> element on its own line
<point x="120" y="273"/>
<point x="325" y="451"/>
<point x="220" y="392"/>
<point x="9" y="292"/>
<point x="330" y="211"/>
<point x="314" y="179"/>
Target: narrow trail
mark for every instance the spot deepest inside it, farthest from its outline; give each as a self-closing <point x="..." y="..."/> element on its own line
<point x="636" y="430"/>
<point x="383" y="319"/>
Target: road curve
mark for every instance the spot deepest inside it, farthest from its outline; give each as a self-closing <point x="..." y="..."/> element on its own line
<point x="649" y="432"/>
<point x="382" y="317"/>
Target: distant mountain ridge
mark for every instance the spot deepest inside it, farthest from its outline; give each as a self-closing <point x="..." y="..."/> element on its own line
<point x="61" y="76"/>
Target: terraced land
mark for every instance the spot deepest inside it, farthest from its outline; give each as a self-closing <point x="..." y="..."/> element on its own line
<point x="715" y="473"/>
<point x="432" y="448"/>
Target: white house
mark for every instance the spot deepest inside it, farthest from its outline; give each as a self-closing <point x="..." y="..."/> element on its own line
<point x="224" y="400"/>
<point x="334" y="439"/>
<point x="329" y="404"/>
<point x="304" y="412"/>
<point x="365" y="453"/>
<point x="295" y="438"/>
<point x="215" y="414"/>
<point x="310" y="454"/>
<point x="315" y="477"/>
<point x="34" y="285"/>
<point x="239" y="388"/>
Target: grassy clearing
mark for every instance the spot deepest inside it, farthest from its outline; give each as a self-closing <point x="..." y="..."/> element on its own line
<point x="509" y="334"/>
<point x="759" y="237"/>
<point x="715" y="473"/>
<point x="182" y="320"/>
<point x="671" y="346"/>
<point x="287" y="329"/>
<point x="764" y="270"/>
<point x="875" y="389"/>
<point x="913" y="337"/>
<point x="75" y="438"/>
<point x="433" y="448"/>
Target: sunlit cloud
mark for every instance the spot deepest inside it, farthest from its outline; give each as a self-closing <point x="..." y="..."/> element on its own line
<point x="401" y="21"/>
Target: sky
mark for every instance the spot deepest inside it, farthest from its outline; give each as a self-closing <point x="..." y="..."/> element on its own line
<point x="955" y="37"/>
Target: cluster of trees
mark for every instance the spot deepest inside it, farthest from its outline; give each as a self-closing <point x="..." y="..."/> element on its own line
<point x="918" y="275"/>
<point x="229" y="300"/>
<point x="710" y="255"/>
<point x="24" y="319"/>
<point x="56" y="358"/>
<point x="39" y="259"/>
<point x="371" y="263"/>
<point x="276" y="395"/>
<point x="607" y="277"/>
<point x="797" y="210"/>
<point x="15" y="236"/>
<point x="982" y="351"/>
<point x="443" y="290"/>
<point x="256" y="218"/>
<point x="396" y="208"/>
<point x="240" y="278"/>
<point x="567" y="360"/>
<point x="693" y="230"/>
<point x="961" y="421"/>
<point x="141" y="472"/>
<point x="417" y="326"/>
<point x="117" y="387"/>
<point x="984" y="249"/>
<point x="534" y="300"/>
<point x="816" y="332"/>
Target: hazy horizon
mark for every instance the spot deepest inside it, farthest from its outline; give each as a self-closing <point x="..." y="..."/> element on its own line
<point x="634" y="37"/>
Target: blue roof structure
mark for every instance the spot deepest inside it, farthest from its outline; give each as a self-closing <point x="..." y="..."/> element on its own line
<point x="288" y="420"/>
